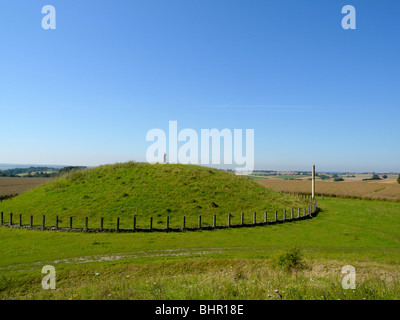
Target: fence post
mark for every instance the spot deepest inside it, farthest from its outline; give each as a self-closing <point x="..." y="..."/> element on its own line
<point x="134" y="223"/>
<point x="214" y="221"/>
<point x="229" y="219"/>
<point x="31" y="222"/>
<point x="322" y="197"/>
<point x="284" y="214"/>
<point x="118" y="224"/>
<point x="167" y="223"/>
<point x="43" y="221"/>
<point x="102" y="223"/>
<point x="298" y="212"/>
<point x="304" y="212"/>
<point x="151" y="223"/>
<point x="254" y="217"/>
<point x="10" y="219"/>
<point x="199" y="222"/>
<point x="265" y="216"/>
<point x="242" y="218"/>
<point x="20" y="221"/>
<point x="291" y="213"/>
<point x="184" y="223"/>
<point x="276" y="216"/>
<point x="86" y="223"/>
<point x="70" y="223"/>
<point x="1" y="218"/>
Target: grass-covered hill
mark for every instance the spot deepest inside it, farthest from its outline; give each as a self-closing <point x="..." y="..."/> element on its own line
<point x="146" y="190"/>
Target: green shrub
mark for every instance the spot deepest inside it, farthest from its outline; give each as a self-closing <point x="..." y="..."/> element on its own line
<point x="292" y="259"/>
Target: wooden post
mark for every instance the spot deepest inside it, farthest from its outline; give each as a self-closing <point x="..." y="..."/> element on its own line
<point x="167" y="223"/>
<point x="229" y="219"/>
<point x="298" y="212"/>
<point x="31" y="222"/>
<point x="313" y="183"/>
<point x="118" y="224"/>
<point x="276" y="216"/>
<point x="254" y="217"/>
<point x="151" y="223"/>
<point x="214" y="221"/>
<point x="284" y="214"/>
<point x="304" y="212"/>
<point x="1" y="218"/>
<point x="20" y="221"/>
<point x="291" y="213"/>
<point x="102" y="223"/>
<point x="265" y="216"/>
<point x="86" y="224"/>
<point x="70" y="223"/>
<point x="11" y="219"/>
<point x="43" y="221"/>
<point x="56" y="222"/>
<point x="184" y="223"/>
<point x="199" y="222"/>
<point x="242" y="218"/>
<point x="134" y="223"/>
<point x="322" y="197"/>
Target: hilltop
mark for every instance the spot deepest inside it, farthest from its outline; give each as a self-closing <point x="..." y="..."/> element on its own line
<point x="141" y="189"/>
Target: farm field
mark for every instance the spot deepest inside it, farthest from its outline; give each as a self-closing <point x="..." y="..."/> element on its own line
<point x="12" y="186"/>
<point x="381" y="190"/>
<point x="219" y="264"/>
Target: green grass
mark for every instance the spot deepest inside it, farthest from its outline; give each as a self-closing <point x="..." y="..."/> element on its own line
<point x="145" y="190"/>
<point x="219" y="264"/>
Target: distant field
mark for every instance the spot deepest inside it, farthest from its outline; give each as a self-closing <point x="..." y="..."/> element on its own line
<point x="10" y="186"/>
<point x="381" y="190"/>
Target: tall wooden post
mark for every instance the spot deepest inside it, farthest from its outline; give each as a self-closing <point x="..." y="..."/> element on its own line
<point x="313" y="182"/>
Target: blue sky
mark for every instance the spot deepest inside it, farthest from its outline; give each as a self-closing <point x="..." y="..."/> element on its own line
<point x="88" y="92"/>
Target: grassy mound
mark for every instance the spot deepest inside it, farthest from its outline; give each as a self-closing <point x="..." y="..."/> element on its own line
<point x="145" y="190"/>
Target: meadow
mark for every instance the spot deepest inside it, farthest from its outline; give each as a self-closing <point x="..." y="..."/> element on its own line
<point x="218" y="264"/>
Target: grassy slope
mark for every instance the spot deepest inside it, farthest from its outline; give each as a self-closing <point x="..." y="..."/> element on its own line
<point x="220" y="264"/>
<point x="145" y="190"/>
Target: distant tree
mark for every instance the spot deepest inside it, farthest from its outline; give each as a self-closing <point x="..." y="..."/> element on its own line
<point x="68" y="169"/>
<point x="375" y="177"/>
<point x="338" y="179"/>
<point x="384" y="176"/>
<point x="398" y="179"/>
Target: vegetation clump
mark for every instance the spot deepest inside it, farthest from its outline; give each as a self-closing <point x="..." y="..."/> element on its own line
<point x="291" y="260"/>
